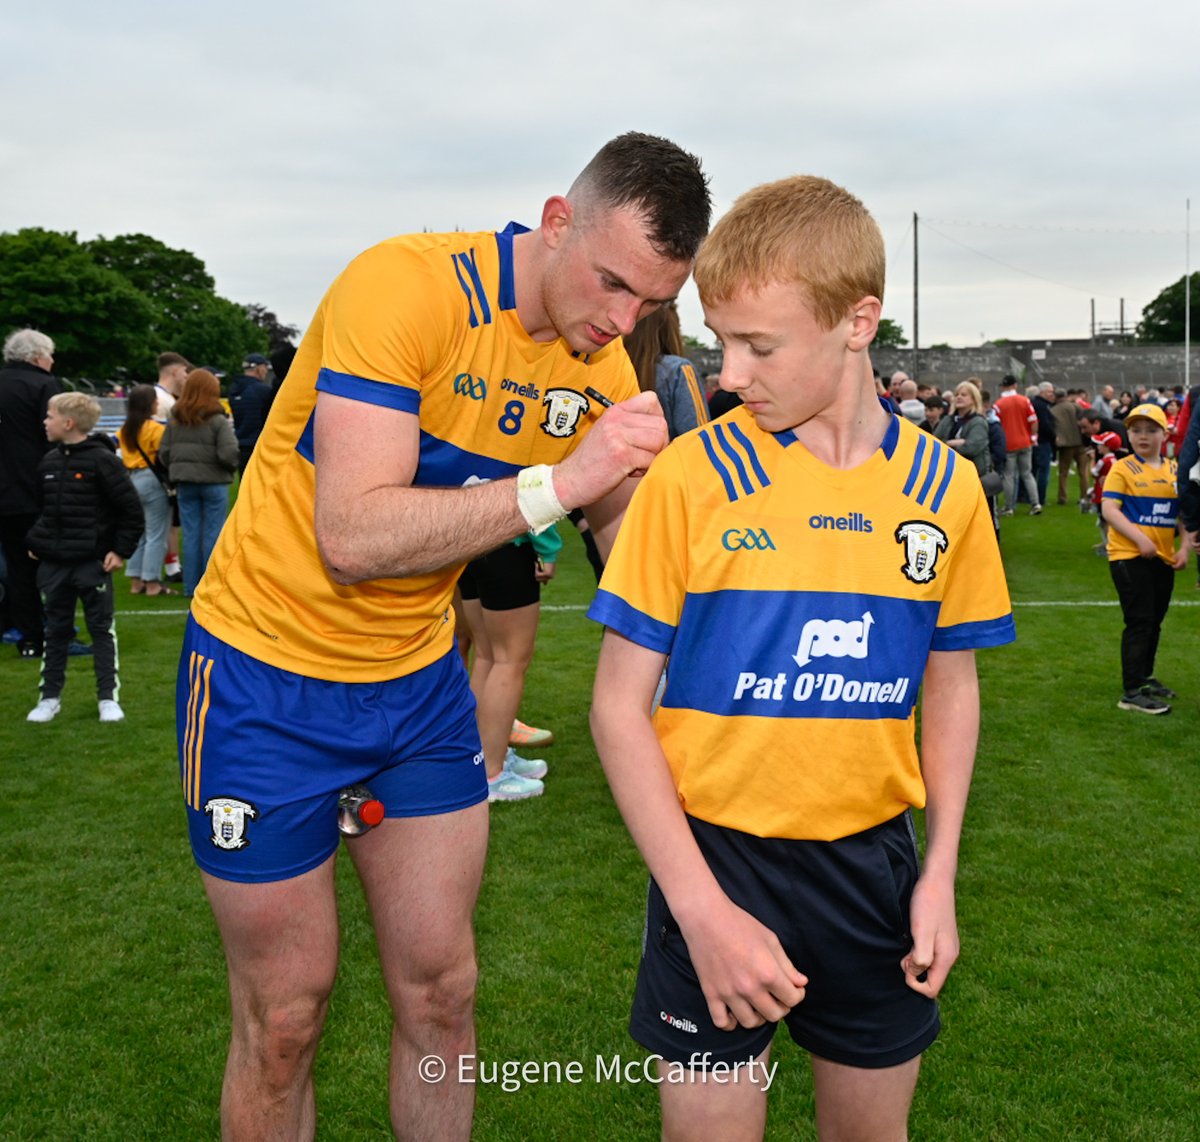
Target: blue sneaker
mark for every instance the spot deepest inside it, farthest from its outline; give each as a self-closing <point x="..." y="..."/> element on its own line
<point x="533" y="767"/>
<point x="510" y="787"/>
<point x="12" y="635"/>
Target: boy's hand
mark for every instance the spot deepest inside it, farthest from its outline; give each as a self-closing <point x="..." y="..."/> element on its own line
<point x="935" y="937"/>
<point x="743" y="970"/>
<point x="1145" y="546"/>
<point x="1180" y="560"/>
<point x="112" y="562"/>
<point x="543" y="572"/>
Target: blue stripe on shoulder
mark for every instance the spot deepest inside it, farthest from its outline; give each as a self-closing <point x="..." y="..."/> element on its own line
<point x="722" y="471"/>
<point x="915" y="470"/>
<point x="370" y="392"/>
<point x="468" y="262"/>
<point x="751" y="454"/>
<point x="941" y="492"/>
<point x="472" y="316"/>
<point x="635" y="625"/>
<point x="734" y="459"/>
<point x="935" y="460"/>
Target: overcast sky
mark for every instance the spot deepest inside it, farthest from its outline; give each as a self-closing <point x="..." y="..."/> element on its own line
<point x="1048" y="147"/>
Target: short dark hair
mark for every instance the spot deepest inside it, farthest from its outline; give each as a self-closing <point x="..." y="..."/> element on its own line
<point x="166" y="360"/>
<point x="1007" y="380"/>
<point x="660" y="180"/>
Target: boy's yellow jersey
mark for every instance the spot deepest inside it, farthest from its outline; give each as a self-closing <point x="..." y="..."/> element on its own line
<point x="799" y="604"/>
<point x="426" y="324"/>
<point x="1146" y="496"/>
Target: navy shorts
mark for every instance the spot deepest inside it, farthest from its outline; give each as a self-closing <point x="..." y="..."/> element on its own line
<point x="263" y="754"/>
<point x="840" y="910"/>
<point x="504" y="579"/>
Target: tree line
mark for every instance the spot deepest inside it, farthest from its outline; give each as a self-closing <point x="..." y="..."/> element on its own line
<point x="113" y="304"/>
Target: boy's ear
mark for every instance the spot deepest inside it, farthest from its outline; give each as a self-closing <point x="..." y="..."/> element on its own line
<point x="864" y="322"/>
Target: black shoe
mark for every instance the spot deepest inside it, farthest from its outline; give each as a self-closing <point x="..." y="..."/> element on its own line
<point x="1156" y="689"/>
<point x="1144" y="702"/>
<point x="78" y="649"/>
<point x="176" y="578"/>
<point x="27" y="649"/>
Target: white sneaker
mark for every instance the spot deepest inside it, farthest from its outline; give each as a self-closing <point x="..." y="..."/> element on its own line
<point x="110" y="711"/>
<point x="510" y="787"/>
<point x="45" y="711"/>
<point x="533" y="767"/>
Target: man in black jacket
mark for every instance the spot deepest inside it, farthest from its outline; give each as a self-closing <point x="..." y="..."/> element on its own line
<point x="90" y="523"/>
<point x="26" y="386"/>
<point x="250" y="401"/>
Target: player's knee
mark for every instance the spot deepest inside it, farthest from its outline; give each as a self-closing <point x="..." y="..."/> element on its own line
<point x="287" y="1037"/>
<point x="445" y="1000"/>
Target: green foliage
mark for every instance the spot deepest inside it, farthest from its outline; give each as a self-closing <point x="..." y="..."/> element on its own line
<point x="1070" y="1017"/>
<point x="1163" y="319"/>
<point x="51" y="282"/>
<point x="113" y="304"/>
<point x="690" y="342"/>
<point x="278" y="334"/>
<point x="889" y="335"/>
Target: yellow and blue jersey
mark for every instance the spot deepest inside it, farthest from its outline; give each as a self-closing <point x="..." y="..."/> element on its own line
<point x="1146" y="496"/>
<point x="427" y="324"/>
<point x="799" y="604"/>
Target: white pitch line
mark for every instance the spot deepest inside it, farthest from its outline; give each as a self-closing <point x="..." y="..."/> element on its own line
<point x="565" y="607"/>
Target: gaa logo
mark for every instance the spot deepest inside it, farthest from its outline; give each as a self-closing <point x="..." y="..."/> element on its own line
<point x="466" y="385"/>
<point x="752" y="539"/>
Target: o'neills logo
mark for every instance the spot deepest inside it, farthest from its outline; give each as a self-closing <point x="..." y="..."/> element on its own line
<point x="679" y="1024"/>
<point x="855" y="521"/>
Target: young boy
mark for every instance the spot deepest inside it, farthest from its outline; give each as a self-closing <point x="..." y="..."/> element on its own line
<point x="1141" y="509"/>
<point x="91" y="521"/>
<point x="806" y="563"/>
<point x="1108" y="452"/>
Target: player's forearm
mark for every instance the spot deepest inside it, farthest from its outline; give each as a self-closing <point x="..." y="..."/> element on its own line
<point x="949" y="736"/>
<point x="393" y="532"/>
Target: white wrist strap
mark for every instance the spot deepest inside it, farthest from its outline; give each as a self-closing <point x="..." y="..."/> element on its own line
<point x="537" y="499"/>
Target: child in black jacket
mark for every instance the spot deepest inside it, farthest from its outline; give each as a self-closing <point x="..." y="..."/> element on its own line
<point x="90" y="523"/>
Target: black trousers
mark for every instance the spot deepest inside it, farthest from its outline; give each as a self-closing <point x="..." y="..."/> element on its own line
<point x="61" y="584"/>
<point x="1144" y="587"/>
<point x="24" y="605"/>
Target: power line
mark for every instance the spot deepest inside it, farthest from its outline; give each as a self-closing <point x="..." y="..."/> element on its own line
<point x="1053" y="228"/>
<point x="1018" y="269"/>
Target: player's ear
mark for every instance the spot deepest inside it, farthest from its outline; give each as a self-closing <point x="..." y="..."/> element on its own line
<point x="557" y="216"/>
<point x="864" y="322"/>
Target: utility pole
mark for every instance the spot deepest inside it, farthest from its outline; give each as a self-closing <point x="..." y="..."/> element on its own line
<point x="916" y="304"/>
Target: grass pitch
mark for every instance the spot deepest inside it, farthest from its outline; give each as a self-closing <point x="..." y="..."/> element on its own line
<point x="1072" y="1013"/>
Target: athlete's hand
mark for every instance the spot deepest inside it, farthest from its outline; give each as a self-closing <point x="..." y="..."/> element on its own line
<point x="1145" y="546"/>
<point x="112" y="562"/>
<point x="935" y="936"/>
<point x="623" y="442"/>
<point x="543" y="572"/>
<point x="743" y="970"/>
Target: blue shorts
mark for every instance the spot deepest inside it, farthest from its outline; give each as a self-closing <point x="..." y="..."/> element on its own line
<point x="264" y="752"/>
<point x="840" y="910"/>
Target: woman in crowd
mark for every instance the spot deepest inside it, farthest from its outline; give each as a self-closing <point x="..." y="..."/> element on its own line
<point x="656" y="349"/>
<point x="140" y="436"/>
<point x="200" y="452"/>
<point x="965" y="430"/>
<point x="1123" y="405"/>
